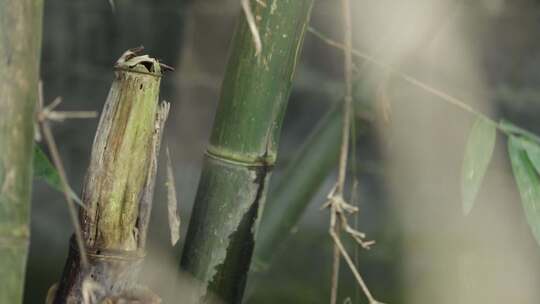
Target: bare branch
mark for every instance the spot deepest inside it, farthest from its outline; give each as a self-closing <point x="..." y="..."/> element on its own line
<point x="337" y="204"/>
<point x="60" y="116"/>
<point x="410" y="79"/>
<point x="352" y="267"/>
<point x="57" y="161"/>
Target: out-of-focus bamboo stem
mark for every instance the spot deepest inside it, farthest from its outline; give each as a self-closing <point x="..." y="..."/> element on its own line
<point x="20" y="48"/>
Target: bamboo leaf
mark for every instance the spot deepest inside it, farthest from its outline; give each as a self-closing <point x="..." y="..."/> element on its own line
<point x="300" y="181"/>
<point x="528" y="183"/>
<point x="533" y="153"/>
<point x="45" y="170"/>
<point x="478" y="153"/>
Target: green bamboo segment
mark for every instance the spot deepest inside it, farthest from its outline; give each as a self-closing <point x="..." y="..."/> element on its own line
<point x="219" y="250"/>
<point x="20" y="48"/>
<point x="297" y="186"/>
<point x="256" y="88"/>
<point x="119" y="183"/>
<point x="242" y="150"/>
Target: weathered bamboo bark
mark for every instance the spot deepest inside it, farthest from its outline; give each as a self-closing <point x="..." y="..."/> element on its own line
<point x="119" y="184"/>
<point x="20" y="48"/>
<point x="242" y="150"/>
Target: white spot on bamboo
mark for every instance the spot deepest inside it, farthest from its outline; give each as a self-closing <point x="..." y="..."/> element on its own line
<point x="273" y="7"/>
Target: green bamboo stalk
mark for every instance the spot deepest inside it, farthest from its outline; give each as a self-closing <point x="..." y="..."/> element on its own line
<point x="242" y="150"/>
<point x="119" y="184"/>
<point x="299" y="183"/>
<point x="20" y="48"/>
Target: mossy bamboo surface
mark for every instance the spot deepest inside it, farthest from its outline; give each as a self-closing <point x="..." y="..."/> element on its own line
<point x="242" y="150"/>
<point x="119" y="183"/>
<point x="20" y="48"/>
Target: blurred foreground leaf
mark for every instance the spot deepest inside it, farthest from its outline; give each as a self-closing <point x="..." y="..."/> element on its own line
<point x="528" y="182"/>
<point x="301" y="180"/>
<point x="478" y="153"/>
<point x="45" y="170"/>
<point x="533" y="153"/>
<point x="512" y="129"/>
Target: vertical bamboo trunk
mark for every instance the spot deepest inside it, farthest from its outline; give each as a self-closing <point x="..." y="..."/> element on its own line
<point x="20" y="46"/>
<point x="119" y="185"/>
<point x="242" y="150"/>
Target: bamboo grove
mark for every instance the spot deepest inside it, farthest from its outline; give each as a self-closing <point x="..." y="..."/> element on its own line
<point x="223" y="242"/>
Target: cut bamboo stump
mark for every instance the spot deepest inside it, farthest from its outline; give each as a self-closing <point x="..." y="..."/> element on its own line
<point x="119" y="186"/>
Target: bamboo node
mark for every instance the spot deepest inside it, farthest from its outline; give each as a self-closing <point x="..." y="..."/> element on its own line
<point x="229" y="158"/>
<point x="106" y="254"/>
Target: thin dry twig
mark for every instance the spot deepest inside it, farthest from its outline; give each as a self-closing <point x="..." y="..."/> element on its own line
<point x="335" y="275"/>
<point x="347" y="107"/>
<point x="352" y="267"/>
<point x="336" y="202"/>
<point x="410" y="79"/>
<point x="60" y="116"/>
<point x="250" y="18"/>
<point x="57" y="161"/>
<point x="47" y="113"/>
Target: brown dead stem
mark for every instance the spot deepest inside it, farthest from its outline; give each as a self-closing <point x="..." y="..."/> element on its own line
<point x="336" y="202"/>
<point x="44" y="115"/>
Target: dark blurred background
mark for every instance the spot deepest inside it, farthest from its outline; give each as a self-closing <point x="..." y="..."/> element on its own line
<point x="485" y="52"/>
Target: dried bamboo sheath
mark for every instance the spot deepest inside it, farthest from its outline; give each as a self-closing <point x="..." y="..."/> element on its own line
<point x="119" y="184"/>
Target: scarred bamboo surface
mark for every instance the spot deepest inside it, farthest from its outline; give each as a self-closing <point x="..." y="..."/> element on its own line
<point x="243" y="149"/>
